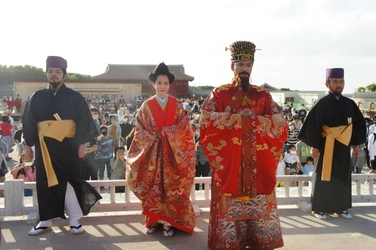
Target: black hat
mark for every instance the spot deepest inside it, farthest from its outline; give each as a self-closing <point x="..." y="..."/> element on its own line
<point x="161" y="69"/>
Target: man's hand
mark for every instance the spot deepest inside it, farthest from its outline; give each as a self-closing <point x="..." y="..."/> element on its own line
<point x="82" y="151"/>
<point x="315" y="153"/>
<point x="29" y="154"/>
<point x="356" y="151"/>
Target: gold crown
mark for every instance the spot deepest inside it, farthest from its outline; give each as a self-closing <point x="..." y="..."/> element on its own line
<point x="242" y="50"/>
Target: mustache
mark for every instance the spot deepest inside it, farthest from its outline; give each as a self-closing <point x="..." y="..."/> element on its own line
<point x="244" y="73"/>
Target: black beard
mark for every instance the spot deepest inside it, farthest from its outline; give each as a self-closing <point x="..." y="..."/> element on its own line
<point x="54" y="85"/>
<point x="245" y="82"/>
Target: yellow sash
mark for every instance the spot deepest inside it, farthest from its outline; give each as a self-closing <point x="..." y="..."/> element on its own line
<point x="341" y="134"/>
<point x="57" y="130"/>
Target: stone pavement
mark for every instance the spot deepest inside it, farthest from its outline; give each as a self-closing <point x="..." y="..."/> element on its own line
<point x="125" y="231"/>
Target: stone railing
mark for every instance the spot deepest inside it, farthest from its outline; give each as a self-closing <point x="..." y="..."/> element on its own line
<point x="297" y="188"/>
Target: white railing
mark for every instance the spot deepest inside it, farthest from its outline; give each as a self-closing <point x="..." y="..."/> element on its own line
<point x="295" y="190"/>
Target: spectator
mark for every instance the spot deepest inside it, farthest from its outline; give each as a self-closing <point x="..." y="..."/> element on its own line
<point x="118" y="168"/>
<point x="291" y="159"/>
<point x="126" y="129"/>
<point x="186" y="105"/>
<point x="7" y="131"/>
<point x="24" y="172"/>
<point x="281" y="170"/>
<point x="95" y="115"/>
<point x="3" y="164"/>
<point x="292" y="135"/>
<point x="286" y="108"/>
<point x="106" y="146"/>
<point x="196" y="107"/>
<point x="297" y="121"/>
<point x="302" y="112"/>
<point x="307" y="169"/>
<point x="106" y="119"/>
<point x="90" y="163"/>
<point x="369" y="123"/>
<point x="202" y="163"/>
<point x="372" y="151"/>
<point x="18" y="140"/>
<point x="114" y="130"/>
<point x="357" y="163"/>
<point x="303" y="151"/>
<point x="121" y="100"/>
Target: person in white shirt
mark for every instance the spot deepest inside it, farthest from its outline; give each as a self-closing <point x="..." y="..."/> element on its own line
<point x="186" y="105"/>
<point x="291" y="159"/>
<point x="372" y="151"/>
<point x="281" y="170"/>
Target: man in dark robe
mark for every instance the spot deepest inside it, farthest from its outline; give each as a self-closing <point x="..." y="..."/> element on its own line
<point x="58" y="122"/>
<point x="333" y="124"/>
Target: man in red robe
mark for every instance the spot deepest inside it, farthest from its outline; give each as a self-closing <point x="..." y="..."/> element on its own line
<point x="242" y="132"/>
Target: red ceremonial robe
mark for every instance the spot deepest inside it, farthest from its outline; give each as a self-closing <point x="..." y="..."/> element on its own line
<point x="161" y="163"/>
<point x="242" y="135"/>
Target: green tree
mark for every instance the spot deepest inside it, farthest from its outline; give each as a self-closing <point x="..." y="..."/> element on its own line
<point x="78" y="77"/>
<point x="371" y="87"/>
<point x="11" y="74"/>
<point x="361" y="89"/>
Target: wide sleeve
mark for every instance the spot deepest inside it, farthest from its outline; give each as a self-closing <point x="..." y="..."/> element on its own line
<point x="310" y="133"/>
<point x="29" y="121"/>
<point x="180" y="163"/>
<point x="86" y="129"/>
<point x="221" y="136"/>
<point x="359" y="127"/>
<point x="142" y="155"/>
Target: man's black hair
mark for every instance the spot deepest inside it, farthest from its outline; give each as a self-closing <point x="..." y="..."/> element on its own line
<point x="103" y="127"/>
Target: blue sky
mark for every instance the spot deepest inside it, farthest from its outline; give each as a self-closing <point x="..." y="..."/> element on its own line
<point x="298" y="39"/>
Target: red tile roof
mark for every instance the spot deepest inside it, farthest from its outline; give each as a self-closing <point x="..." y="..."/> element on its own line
<point x="139" y="72"/>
